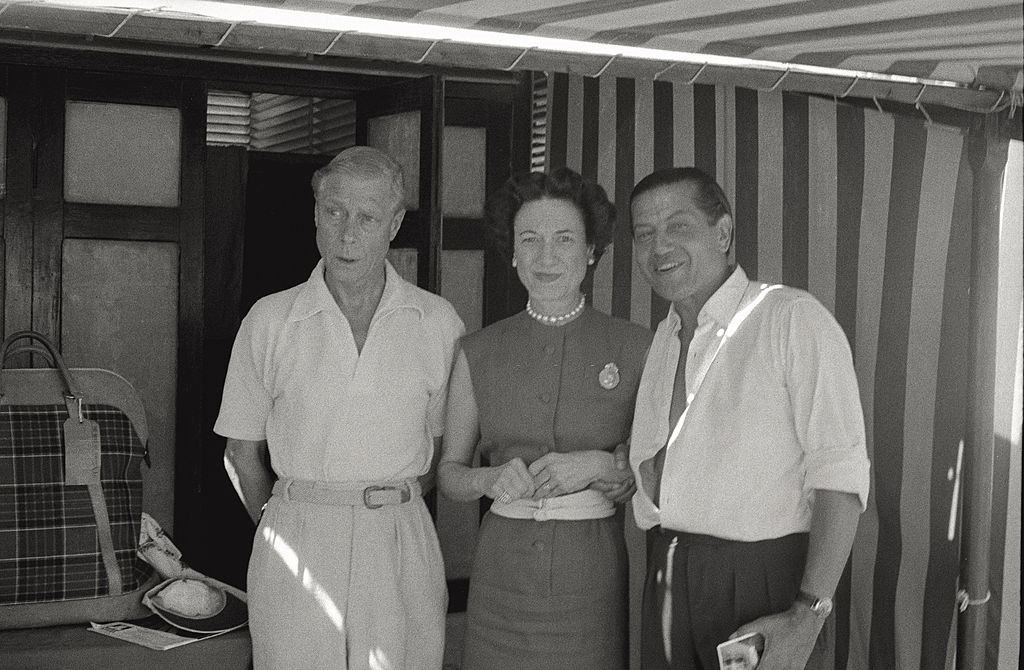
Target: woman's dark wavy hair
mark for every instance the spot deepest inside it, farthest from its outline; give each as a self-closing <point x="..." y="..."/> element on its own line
<point x="559" y="184"/>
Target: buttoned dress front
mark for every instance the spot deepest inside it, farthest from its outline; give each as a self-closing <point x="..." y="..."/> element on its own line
<point x="551" y="593"/>
<point x="333" y="586"/>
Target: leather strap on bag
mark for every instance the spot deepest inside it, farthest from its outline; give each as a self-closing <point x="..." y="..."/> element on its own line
<point x="82" y="449"/>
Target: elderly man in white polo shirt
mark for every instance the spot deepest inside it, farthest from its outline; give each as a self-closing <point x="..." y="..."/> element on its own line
<point x="748" y="444"/>
<point x="333" y="407"/>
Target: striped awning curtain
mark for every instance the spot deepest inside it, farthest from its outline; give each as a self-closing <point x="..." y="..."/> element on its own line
<point x="976" y="43"/>
<point x="872" y="214"/>
<point x="968" y="41"/>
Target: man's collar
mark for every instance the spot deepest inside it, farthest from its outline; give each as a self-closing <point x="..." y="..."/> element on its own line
<point x="721" y="306"/>
<point x="314" y="296"/>
<point x="398" y="293"/>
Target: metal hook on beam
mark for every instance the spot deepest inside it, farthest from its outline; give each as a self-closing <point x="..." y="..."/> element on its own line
<point x="225" y="35"/>
<point x="605" y="66"/>
<point x="333" y="42"/>
<point x="924" y="112"/>
<point x="120" y="25"/>
<point x="849" y="89"/>
<point x="917" y="100"/>
<point x="427" y="52"/>
<point x="518" y="59"/>
<point x="697" y="74"/>
<point x="920" y="107"/>
<point x="664" y="70"/>
<point x="778" y="82"/>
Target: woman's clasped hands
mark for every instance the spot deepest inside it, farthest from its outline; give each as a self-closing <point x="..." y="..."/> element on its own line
<point x="556" y="474"/>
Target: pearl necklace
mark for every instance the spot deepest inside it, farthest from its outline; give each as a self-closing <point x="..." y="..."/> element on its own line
<point x="556" y="320"/>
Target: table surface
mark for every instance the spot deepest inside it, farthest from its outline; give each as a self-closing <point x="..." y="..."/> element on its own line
<point x="77" y="648"/>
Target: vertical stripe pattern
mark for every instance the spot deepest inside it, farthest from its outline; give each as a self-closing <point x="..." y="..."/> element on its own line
<point x="948" y="427"/>
<point x="942" y="158"/>
<point x="870" y="213"/>
<point x="878" y="160"/>
<point x="891" y="382"/>
<point x="769" y="187"/>
<point x="850" y="174"/>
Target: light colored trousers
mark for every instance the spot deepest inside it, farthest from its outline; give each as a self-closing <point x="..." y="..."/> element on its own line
<point x="346" y="588"/>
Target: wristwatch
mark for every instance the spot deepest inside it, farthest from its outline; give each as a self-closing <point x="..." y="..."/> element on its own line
<point x="821" y="607"/>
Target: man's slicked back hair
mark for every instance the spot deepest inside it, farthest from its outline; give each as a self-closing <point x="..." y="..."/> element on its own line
<point x="707" y="194"/>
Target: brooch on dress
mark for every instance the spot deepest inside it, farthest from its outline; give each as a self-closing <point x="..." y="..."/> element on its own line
<point x="608" y="377"/>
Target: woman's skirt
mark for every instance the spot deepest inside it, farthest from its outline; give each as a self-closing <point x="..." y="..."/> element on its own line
<point x="548" y="594"/>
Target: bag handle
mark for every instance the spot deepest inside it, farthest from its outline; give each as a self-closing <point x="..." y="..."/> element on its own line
<point x="71" y="389"/>
<point x="30" y="349"/>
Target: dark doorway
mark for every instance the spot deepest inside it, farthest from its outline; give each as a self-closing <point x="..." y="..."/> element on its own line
<point x="261" y="239"/>
<point x="280" y="242"/>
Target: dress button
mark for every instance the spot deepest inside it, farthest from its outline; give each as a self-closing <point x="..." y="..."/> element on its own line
<point x="549" y="349"/>
<point x="545" y="398"/>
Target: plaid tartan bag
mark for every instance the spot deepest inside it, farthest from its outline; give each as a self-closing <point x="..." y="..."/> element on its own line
<point x="71" y="447"/>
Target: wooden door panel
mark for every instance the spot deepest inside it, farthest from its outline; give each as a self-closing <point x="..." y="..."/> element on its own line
<point x="384" y="115"/>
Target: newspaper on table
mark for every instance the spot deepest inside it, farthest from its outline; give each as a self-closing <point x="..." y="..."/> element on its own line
<point x="155" y="632"/>
<point x="158" y="635"/>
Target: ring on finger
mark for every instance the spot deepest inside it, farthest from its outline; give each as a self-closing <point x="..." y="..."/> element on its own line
<point x="504" y="498"/>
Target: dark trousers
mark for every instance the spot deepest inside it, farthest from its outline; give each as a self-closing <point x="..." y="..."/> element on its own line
<point x="714" y="586"/>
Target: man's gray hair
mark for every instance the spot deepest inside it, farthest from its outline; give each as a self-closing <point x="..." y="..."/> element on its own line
<point x="367" y="163"/>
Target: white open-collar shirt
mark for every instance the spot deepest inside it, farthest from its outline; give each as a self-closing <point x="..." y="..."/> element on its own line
<point x="328" y="412"/>
<point x="773" y="412"/>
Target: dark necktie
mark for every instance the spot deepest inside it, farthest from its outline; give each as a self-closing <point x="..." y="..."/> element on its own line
<point x="652" y="468"/>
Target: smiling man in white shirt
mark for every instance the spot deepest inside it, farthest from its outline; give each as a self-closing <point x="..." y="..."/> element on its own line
<point x="748" y="444"/>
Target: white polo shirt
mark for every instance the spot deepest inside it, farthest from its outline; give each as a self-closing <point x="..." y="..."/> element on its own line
<point x="773" y="412"/>
<point x="329" y="413"/>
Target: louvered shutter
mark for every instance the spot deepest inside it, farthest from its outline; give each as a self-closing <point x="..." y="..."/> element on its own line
<point x="281" y="123"/>
<point x="227" y="119"/>
<point x="539" y="122"/>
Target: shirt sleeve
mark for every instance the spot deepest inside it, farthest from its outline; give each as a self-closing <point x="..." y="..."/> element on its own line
<point x="825" y="400"/>
<point x="246" y="403"/>
<point x="449" y="333"/>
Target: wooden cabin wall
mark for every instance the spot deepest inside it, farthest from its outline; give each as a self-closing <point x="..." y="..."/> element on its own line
<point x="873" y="213"/>
<point x="102" y="237"/>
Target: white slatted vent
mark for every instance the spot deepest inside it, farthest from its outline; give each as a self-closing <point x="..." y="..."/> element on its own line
<point x="539" y="123"/>
<point x="228" y="119"/>
<point x="281" y="123"/>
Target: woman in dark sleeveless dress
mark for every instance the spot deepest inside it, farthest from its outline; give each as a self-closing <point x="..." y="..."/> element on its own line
<point x="546" y="396"/>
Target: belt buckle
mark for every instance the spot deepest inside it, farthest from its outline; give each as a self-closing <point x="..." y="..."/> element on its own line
<point x="404" y="497"/>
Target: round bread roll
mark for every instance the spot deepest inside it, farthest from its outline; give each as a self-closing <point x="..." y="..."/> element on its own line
<point x="190" y="597"/>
